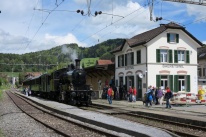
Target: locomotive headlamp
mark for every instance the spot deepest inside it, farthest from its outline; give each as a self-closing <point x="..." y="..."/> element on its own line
<point x="73" y="94"/>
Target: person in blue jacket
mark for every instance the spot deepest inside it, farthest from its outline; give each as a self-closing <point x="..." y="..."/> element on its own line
<point x="149" y="96"/>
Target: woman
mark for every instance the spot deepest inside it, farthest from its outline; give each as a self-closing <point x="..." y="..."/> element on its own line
<point x="109" y="94"/>
<point x="160" y="95"/>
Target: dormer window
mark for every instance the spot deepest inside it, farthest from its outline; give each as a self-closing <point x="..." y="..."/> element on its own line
<point x="172" y="38"/>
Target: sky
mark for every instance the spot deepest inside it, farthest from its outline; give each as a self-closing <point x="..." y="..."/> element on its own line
<point x="34" y="25"/>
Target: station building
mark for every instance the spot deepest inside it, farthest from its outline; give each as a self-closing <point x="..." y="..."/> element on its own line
<point x="99" y="73"/>
<point x="202" y="68"/>
<point x="161" y="57"/>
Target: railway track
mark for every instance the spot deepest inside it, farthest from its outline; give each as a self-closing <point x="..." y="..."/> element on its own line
<point x="61" y="125"/>
<point x="181" y="129"/>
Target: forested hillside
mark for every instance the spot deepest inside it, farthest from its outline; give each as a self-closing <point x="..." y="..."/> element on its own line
<point x="56" y="57"/>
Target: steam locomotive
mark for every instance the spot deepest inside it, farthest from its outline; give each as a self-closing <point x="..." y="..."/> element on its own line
<point x="66" y="85"/>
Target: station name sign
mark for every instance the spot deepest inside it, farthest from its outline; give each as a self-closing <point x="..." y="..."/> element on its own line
<point x="172" y="66"/>
<point x="129" y="67"/>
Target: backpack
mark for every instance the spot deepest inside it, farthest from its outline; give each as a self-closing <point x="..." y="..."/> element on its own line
<point x="150" y="97"/>
<point x="171" y="94"/>
<point x="112" y="92"/>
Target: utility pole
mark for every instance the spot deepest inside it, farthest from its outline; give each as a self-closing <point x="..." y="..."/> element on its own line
<point x="151" y="8"/>
<point x="194" y="2"/>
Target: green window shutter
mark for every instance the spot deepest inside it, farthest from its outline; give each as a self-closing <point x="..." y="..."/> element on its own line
<point x="158" y="80"/>
<point x="168" y="37"/>
<point x="118" y="61"/>
<point x="132" y="58"/>
<point x="170" y="56"/>
<point x="125" y="59"/>
<point x="176" y="56"/>
<point x="177" y="38"/>
<point x="171" y="82"/>
<point x="188" y="83"/>
<point x="187" y="56"/>
<point x="176" y="83"/>
<point x="158" y="55"/>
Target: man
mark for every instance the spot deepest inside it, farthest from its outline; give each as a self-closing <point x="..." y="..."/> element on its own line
<point x="130" y="93"/>
<point x="168" y="95"/>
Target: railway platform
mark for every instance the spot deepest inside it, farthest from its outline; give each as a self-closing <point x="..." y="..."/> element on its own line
<point x="119" y="126"/>
<point x="187" y="113"/>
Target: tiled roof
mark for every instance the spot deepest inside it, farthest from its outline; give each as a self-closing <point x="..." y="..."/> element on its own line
<point x="201" y="53"/>
<point x="34" y="74"/>
<point x="145" y="37"/>
<point x="104" y="62"/>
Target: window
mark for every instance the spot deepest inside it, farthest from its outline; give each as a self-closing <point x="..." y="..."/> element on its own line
<point x="203" y="73"/>
<point x="164" y="81"/>
<point x="182" y="56"/>
<point x="138" y="56"/>
<point x="172" y="38"/>
<point x="199" y="72"/>
<point x="164" y="56"/>
<point x="129" y="58"/>
<point x="182" y="83"/>
<point x="120" y="60"/>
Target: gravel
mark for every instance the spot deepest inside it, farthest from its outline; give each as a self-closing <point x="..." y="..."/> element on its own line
<point x="14" y="123"/>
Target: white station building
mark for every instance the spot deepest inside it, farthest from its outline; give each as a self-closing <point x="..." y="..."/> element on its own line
<point x="162" y="57"/>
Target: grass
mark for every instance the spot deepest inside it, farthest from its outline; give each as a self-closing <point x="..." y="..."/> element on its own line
<point x="1" y="134"/>
<point x="1" y="90"/>
<point x="14" y="74"/>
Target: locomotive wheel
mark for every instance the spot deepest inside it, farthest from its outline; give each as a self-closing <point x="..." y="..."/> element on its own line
<point x="73" y="102"/>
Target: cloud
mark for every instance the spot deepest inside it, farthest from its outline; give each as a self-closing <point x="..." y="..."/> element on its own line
<point x="197" y="11"/>
<point x="67" y="39"/>
<point x="127" y="20"/>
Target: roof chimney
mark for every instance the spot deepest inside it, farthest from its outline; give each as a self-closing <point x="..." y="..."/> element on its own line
<point x="162" y="24"/>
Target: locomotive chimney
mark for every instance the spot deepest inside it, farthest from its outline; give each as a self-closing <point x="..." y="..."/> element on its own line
<point x="77" y="61"/>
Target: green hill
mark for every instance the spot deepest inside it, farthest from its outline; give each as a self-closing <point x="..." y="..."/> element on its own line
<point x="57" y="57"/>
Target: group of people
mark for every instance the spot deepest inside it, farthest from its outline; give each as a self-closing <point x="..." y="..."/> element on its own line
<point x="27" y="91"/>
<point x="111" y="93"/>
<point x="157" y="95"/>
<point x="131" y="95"/>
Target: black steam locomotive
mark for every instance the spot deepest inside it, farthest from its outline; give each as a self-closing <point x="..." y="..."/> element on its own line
<point x="66" y="85"/>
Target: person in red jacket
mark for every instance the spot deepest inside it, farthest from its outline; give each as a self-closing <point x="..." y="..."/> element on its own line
<point x="130" y="94"/>
<point x="134" y="94"/>
<point x="109" y="94"/>
<point x="168" y="95"/>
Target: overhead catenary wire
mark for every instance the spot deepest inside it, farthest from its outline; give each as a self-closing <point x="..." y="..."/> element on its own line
<point x="27" y="30"/>
<point x="43" y="23"/>
<point x="113" y="23"/>
<point x="110" y="32"/>
<point x="195" y="21"/>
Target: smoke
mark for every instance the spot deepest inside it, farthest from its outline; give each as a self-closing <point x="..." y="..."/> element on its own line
<point x="71" y="52"/>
